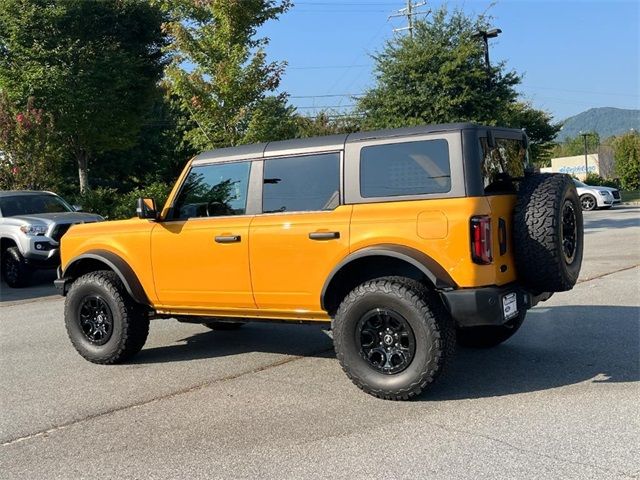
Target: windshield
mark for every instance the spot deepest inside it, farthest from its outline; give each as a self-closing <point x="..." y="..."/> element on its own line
<point x="506" y="160"/>
<point x="14" y="205"/>
<point x="579" y="183"/>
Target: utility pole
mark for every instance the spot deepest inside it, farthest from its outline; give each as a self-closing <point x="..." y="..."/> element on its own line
<point x="409" y="11"/>
<point x="586" y="165"/>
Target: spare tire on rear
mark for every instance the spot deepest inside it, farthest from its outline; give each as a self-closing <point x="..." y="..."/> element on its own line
<point x="548" y="233"/>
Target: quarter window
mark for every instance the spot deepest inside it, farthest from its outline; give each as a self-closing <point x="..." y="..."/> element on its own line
<point x="213" y="191"/>
<point x="506" y="160"/>
<point x="303" y="183"/>
<point x="407" y="168"/>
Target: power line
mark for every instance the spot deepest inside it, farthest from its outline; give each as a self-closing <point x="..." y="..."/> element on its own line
<point x="329" y="95"/>
<point x="334" y="4"/>
<point x="534" y="87"/>
<point x="320" y="107"/>
<point x="326" y="67"/>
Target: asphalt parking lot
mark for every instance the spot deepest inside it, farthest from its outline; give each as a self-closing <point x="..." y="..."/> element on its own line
<point x="561" y="399"/>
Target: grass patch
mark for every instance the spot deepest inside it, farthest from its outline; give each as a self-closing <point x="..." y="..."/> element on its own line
<point x="630" y="195"/>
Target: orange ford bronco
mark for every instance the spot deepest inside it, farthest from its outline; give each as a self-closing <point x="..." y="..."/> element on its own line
<point x="405" y="241"/>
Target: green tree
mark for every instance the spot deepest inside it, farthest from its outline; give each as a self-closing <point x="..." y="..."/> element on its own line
<point x="539" y="127"/>
<point x="627" y="156"/>
<point x="324" y="123"/>
<point x="575" y="146"/>
<point x="158" y="155"/>
<point x="272" y="119"/>
<point x="439" y="75"/>
<point x="93" y="65"/>
<point x="218" y="71"/>
<point x="29" y="158"/>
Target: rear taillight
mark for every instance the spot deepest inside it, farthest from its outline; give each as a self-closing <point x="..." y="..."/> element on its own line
<point x="481" y="240"/>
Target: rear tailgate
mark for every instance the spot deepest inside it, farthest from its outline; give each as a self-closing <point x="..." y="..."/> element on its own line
<point x="502" y="239"/>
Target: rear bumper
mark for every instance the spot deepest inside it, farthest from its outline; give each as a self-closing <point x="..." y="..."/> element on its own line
<point x="474" y="307"/>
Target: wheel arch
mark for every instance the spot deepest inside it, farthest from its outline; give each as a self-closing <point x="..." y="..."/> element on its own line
<point x="104" y="260"/>
<point x="7" y="242"/>
<point x="381" y="261"/>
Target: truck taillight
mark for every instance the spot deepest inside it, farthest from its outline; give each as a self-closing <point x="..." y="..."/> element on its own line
<point x="481" y="239"/>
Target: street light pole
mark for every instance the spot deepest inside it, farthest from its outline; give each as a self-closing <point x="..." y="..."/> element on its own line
<point x="485" y="35"/>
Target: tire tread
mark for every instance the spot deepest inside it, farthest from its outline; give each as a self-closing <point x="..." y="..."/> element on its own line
<point x="433" y="313"/>
<point x="135" y="323"/>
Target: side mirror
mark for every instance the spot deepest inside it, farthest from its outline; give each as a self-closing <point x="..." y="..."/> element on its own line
<point x="77" y="208"/>
<point x="146" y="208"/>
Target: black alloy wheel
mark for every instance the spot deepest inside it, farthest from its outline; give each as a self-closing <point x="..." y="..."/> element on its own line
<point x="96" y="319"/>
<point x="386" y="340"/>
<point x="569" y="232"/>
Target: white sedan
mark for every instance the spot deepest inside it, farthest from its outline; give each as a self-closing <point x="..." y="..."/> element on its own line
<point x="592" y="197"/>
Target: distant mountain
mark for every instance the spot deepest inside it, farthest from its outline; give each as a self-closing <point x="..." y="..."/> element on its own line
<point x="606" y="121"/>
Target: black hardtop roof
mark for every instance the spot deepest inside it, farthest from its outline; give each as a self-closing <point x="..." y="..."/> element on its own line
<point x="326" y="143"/>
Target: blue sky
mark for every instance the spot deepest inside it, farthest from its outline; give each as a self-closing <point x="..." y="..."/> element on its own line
<point x="574" y="55"/>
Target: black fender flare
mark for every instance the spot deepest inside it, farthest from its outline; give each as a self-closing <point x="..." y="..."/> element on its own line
<point x="423" y="262"/>
<point x="115" y="263"/>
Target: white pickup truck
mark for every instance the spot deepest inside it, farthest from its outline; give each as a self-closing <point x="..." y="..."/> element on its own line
<point x="31" y="226"/>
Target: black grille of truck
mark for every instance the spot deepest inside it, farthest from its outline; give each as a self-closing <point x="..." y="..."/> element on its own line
<point x="616" y="194"/>
<point x="59" y="231"/>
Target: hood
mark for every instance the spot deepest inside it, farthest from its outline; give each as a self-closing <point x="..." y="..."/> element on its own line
<point x="595" y="189"/>
<point x="608" y="189"/>
<point x="60" y="218"/>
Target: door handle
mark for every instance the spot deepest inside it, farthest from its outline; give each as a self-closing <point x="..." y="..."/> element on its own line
<point x="227" y="238"/>
<point x="324" y="235"/>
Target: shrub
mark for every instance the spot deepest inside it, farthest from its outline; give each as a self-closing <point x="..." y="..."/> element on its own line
<point x="595" y="180"/>
<point x="627" y="155"/>
<point x="126" y="207"/>
<point x="113" y="205"/>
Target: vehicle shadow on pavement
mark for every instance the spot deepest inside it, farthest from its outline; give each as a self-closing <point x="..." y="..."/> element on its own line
<point x="304" y="340"/>
<point x="556" y="346"/>
<point x="613" y="222"/>
<point x="41" y="285"/>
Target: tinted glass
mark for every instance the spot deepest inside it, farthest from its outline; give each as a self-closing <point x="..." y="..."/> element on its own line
<point x="214" y="191"/>
<point x="30" y="204"/>
<point x="304" y="183"/>
<point x="408" y="168"/>
<point x="506" y="160"/>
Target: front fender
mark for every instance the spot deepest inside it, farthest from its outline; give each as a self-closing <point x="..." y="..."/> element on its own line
<point x="89" y="260"/>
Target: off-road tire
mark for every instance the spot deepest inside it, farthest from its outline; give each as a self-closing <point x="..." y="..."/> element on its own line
<point x="15" y="271"/>
<point x="223" y="325"/>
<point x="539" y="234"/>
<point x="588" y="202"/>
<point x="130" y="319"/>
<point x="489" y="336"/>
<point x="430" y="322"/>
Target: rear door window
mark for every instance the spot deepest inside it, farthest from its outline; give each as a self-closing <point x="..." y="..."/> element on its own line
<point x="302" y="183"/>
<point x="406" y="168"/>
